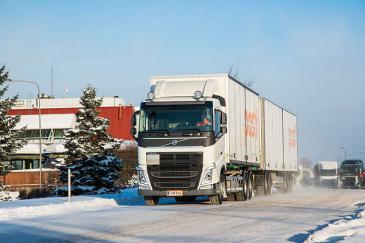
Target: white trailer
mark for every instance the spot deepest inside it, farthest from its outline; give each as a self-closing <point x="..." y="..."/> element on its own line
<point x="278" y="144"/>
<point x="211" y="135"/>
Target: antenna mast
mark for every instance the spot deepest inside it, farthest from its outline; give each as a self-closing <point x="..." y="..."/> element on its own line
<point x="52" y="94"/>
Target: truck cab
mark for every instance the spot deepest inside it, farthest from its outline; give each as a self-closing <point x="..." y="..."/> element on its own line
<point x="327" y="173"/>
<point x="181" y="147"/>
<point x="352" y="174"/>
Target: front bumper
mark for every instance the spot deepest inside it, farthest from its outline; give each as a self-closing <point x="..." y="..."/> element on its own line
<point x="203" y="192"/>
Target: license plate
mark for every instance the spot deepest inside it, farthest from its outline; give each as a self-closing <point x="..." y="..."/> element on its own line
<point x="174" y="193"/>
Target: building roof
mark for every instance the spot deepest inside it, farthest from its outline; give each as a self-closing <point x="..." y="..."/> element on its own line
<point x="64" y="103"/>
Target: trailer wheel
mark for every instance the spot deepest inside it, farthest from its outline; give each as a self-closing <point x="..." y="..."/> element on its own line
<point x="250" y="185"/>
<point x="269" y="184"/>
<point x="286" y="183"/>
<point x="266" y="184"/>
<point x="245" y="185"/>
<point x="151" y="201"/>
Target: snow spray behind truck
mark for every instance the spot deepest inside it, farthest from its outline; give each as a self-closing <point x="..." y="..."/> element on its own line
<point x="210" y="135"/>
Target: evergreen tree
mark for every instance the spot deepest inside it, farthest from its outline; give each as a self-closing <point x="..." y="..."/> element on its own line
<point x="89" y="146"/>
<point x="10" y="139"/>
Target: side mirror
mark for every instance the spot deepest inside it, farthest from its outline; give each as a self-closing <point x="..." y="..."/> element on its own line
<point x="135" y="118"/>
<point x="224" y="118"/>
<point x="224" y="129"/>
<point x="133" y="132"/>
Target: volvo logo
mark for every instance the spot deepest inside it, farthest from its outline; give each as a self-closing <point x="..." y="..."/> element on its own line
<point x="174" y="142"/>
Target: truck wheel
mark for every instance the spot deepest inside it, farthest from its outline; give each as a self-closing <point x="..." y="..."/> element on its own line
<point x="269" y="180"/>
<point x="250" y="185"/>
<point x="285" y="184"/>
<point x="217" y="199"/>
<point x="245" y="185"/>
<point x="151" y="201"/>
<point x="266" y="184"/>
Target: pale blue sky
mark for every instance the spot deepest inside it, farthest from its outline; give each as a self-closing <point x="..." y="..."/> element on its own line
<point x="308" y="56"/>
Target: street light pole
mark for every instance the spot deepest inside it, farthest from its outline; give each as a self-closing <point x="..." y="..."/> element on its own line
<point x="344" y="152"/>
<point x="39" y="123"/>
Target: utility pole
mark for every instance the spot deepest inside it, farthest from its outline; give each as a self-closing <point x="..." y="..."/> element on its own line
<point x="344" y="152"/>
<point x="39" y="122"/>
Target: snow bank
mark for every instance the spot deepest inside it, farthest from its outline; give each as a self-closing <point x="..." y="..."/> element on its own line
<point x="349" y="226"/>
<point x="52" y="206"/>
<point x="59" y="206"/>
<point x="8" y="196"/>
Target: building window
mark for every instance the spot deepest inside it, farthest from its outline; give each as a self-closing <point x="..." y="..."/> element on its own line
<point x="25" y="164"/>
<point x="48" y="135"/>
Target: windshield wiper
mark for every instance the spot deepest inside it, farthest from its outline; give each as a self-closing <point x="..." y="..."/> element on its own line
<point x="165" y="131"/>
<point x="189" y="132"/>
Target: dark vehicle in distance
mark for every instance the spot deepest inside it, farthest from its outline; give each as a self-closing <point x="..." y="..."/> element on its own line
<point x="352" y="174"/>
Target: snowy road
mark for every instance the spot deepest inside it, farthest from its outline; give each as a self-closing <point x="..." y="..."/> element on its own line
<point x="277" y="218"/>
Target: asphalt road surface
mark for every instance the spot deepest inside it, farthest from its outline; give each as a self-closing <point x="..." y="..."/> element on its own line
<point x="276" y="218"/>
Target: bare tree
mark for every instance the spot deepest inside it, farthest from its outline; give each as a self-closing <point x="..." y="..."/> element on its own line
<point x="305" y="163"/>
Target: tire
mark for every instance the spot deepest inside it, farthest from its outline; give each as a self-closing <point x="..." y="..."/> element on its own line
<point x="185" y="199"/>
<point x="151" y="201"/>
<point x="245" y="185"/>
<point x="285" y="186"/>
<point x="266" y="184"/>
<point x="217" y="199"/>
<point x="269" y="180"/>
<point x="250" y="186"/>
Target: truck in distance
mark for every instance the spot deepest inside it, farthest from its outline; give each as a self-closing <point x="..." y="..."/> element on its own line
<point x="327" y="173"/>
<point x="352" y="174"/>
<point x="210" y="135"/>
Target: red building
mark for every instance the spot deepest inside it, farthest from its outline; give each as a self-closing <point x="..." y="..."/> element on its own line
<point x="57" y="115"/>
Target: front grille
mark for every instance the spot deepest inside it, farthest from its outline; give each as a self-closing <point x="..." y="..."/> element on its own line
<point x="176" y="171"/>
<point x="348" y="181"/>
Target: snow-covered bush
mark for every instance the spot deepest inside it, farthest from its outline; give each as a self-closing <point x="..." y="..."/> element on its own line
<point x="133" y="181"/>
<point x="7" y="195"/>
<point x="93" y="175"/>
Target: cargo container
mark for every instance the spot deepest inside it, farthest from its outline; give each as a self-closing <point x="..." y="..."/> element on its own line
<point x="210" y="135"/>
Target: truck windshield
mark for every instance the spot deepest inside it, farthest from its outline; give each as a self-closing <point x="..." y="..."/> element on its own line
<point x="328" y="172"/>
<point x="349" y="169"/>
<point x="176" y="117"/>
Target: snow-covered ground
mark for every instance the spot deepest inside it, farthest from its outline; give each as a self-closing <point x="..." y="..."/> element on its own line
<point x="307" y="214"/>
<point x="350" y="227"/>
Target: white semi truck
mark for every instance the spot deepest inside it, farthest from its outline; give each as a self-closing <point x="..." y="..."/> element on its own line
<point x="327" y="174"/>
<point x="210" y="135"/>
